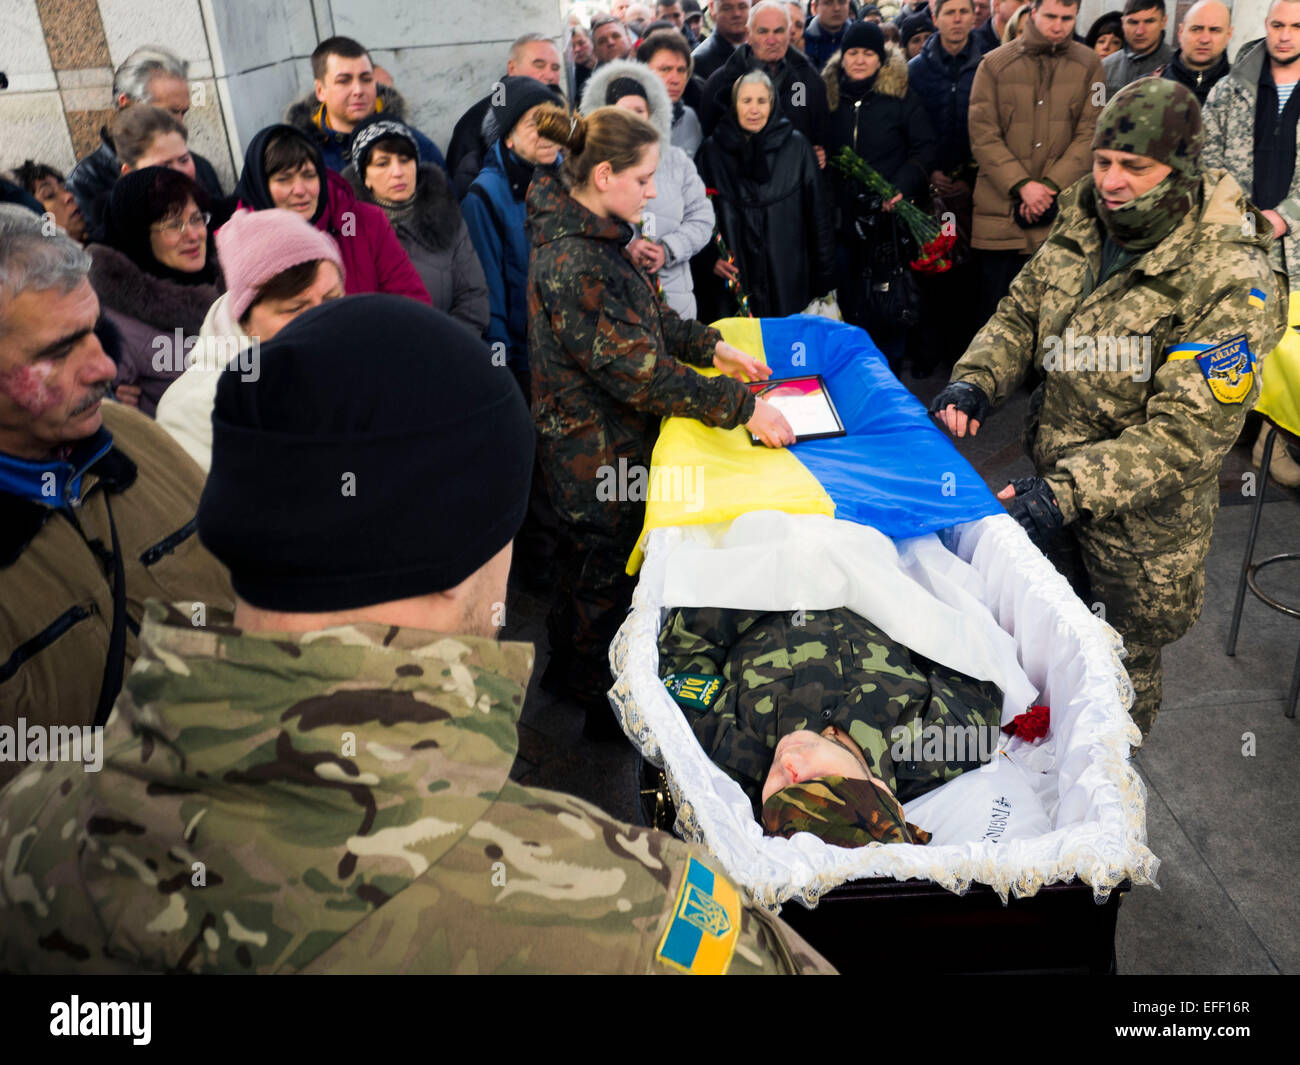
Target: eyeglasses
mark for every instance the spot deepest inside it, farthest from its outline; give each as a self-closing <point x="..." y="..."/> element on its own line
<point x="174" y="228"/>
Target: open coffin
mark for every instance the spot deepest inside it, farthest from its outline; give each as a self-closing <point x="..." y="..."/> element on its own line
<point x="919" y="546"/>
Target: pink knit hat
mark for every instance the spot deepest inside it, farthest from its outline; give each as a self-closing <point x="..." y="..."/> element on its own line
<point x="254" y="246"/>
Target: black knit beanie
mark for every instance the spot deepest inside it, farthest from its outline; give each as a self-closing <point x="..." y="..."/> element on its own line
<point x="620" y="87"/>
<point x="864" y="35"/>
<point x="514" y="96"/>
<point x="377" y="454"/>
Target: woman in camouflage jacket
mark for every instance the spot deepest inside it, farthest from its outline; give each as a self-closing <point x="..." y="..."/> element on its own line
<point x="607" y="358"/>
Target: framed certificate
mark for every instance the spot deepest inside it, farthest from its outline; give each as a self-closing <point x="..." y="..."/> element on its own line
<point x="806" y="404"/>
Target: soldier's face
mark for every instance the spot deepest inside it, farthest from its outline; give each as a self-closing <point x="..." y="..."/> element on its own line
<point x="53" y="372"/>
<point x="624" y="193"/>
<point x="1121" y="177"/>
<point x="805" y="755"/>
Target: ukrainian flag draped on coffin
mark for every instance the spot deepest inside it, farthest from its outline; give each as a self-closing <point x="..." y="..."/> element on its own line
<point x="894" y="470"/>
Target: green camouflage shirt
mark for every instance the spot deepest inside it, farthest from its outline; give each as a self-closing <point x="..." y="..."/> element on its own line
<point x="1148" y="375"/>
<point x="338" y="801"/>
<point x="783" y="672"/>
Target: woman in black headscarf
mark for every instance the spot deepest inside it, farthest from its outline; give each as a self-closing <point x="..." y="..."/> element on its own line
<point x="156" y="275"/>
<point x="769" y="206"/>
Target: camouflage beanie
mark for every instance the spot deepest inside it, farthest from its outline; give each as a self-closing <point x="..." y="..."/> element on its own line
<point x="842" y="811"/>
<point x="1161" y="120"/>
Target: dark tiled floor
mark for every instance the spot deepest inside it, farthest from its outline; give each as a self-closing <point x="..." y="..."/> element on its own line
<point x="1220" y="764"/>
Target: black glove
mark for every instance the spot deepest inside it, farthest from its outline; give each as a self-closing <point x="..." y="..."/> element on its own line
<point x="967" y="398"/>
<point x="1034" y="505"/>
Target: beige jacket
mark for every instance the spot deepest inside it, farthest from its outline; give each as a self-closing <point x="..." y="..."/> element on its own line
<point x="1033" y="111"/>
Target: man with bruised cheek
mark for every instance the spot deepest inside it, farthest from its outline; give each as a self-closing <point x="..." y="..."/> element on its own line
<point x="97" y="503"/>
<point x="53" y="372"/>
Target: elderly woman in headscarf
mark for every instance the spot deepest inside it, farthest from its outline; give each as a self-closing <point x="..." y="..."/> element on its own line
<point x="678" y="223"/>
<point x="156" y="276"/>
<point x="424" y="213"/>
<point x="769" y="202"/>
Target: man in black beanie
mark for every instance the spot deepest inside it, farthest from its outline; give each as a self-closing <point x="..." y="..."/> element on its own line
<point x="345" y="744"/>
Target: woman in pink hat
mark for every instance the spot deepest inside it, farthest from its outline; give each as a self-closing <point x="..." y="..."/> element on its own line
<point x="277" y="265"/>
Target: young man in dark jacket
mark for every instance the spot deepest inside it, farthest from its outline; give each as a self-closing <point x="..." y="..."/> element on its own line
<point x="730" y="29"/>
<point x="346" y="93"/>
<point x="824" y="34"/>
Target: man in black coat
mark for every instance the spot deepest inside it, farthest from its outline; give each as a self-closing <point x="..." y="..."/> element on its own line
<point x="149" y="75"/>
<point x="730" y="29"/>
<point x="799" y="86"/>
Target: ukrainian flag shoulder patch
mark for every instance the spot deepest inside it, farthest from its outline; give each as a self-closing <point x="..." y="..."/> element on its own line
<point x="1257" y="297"/>
<point x="705" y="924"/>
<point x="1229" y="367"/>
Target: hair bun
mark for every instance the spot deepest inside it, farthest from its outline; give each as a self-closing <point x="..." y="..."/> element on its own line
<point x="558" y="125"/>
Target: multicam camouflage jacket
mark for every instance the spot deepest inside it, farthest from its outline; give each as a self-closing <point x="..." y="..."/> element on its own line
<point x="604" y="352"/>
<point x="782" y="672"/>
<point x="1147" y="376"/>
<point x="338" y="802"/>
<point x="1229" y="116"/>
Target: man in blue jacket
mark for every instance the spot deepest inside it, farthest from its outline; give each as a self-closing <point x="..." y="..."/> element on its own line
<point x="346" y="93"/>
<point x="825" y="33"/>
<point x="495" y="213"/>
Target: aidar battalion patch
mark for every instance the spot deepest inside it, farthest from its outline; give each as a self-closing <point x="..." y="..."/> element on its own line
<point x="1229" y="367"/>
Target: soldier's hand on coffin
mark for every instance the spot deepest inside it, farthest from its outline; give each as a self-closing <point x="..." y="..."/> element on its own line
<point x="735" y="363"/>
<point x="769" y="425"/>
<point x="959" y="406"/>
<point x="1031" y="501"/>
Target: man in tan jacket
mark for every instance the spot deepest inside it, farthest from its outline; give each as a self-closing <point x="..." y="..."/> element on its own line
<point x="1033" y="109"/>
<point x="97" y="507"/>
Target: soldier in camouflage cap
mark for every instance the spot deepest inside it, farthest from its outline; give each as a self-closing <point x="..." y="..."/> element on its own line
<point x="1147" y="311"/>
<point x="320" y="783"/>
<point x="844" y="811"/>
<point x="778" y="698"/>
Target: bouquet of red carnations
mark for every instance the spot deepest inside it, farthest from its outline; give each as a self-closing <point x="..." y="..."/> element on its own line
<point x="935" y="244"/>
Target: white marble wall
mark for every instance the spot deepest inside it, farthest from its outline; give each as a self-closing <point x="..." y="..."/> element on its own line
<point x="31" y="110"/>
<point x="260" y="51"/>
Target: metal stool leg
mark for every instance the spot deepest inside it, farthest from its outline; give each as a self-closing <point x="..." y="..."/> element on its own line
<point x="1250" y="544"/>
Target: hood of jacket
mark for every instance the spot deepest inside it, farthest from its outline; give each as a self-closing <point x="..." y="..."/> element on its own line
<point x="553" y="215"/>
<point x="123" y="287"/>
<point x="661" y="108"/>
<point x="436" y="219"/>
<point x="891" y="80"/>
<point x="1244" y="73"/>
<point x="305" y="114"/>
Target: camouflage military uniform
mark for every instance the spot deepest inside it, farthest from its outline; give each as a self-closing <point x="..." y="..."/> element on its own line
<point x="1134" y="457"/>
<point x="807" y="670"/>
<point x="338" y="802"/>
<point x="604" y="353"/>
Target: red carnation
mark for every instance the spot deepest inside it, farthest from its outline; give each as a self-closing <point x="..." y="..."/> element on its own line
<point x="1031" y="725"/>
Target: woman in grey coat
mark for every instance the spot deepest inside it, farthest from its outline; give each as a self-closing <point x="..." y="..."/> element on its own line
<point x="678" y="222"/>
<point x="424" y="214"/>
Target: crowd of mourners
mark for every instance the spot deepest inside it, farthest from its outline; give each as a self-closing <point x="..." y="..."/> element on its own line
<point x="745" y="160"/>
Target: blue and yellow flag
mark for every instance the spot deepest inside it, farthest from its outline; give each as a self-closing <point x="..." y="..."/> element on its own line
<point x="895" y="470"/>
